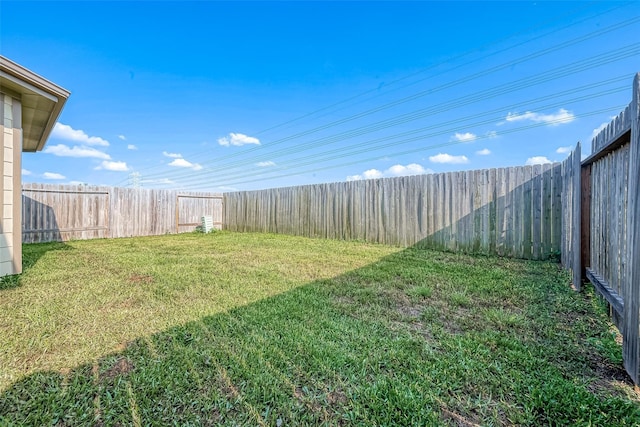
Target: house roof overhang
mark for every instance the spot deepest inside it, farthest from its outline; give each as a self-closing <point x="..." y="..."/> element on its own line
<point x="42" y="102"/>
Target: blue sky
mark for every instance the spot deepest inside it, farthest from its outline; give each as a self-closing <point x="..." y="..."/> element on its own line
<point x="234" y="96"/>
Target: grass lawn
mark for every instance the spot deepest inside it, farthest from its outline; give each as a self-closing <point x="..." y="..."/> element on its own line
<point x="259" y="329"/>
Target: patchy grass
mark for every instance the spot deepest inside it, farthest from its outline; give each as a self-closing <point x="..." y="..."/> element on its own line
<point x="238" y="329"/>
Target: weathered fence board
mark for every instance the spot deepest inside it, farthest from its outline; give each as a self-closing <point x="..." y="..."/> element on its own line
<point x="631" y="286"/>
<point x="68" y="212"/>
<point x="571" y="207"/>
<point x="509" y="212"/>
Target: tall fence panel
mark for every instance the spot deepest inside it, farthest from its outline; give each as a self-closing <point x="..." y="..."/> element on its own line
<point x="614" y="228"/>
<point x="508" y="212"/>
<point x="141" y="212"/>
<point x="67" y="212"/>
<point x="55" y="213"/>
<point x="609" y="208"/>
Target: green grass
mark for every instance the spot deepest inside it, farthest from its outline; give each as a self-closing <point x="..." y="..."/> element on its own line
<point x="246" y="329"/>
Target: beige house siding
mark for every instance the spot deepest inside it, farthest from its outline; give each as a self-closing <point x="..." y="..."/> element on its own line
<point x="29" y="108"/>
<point x="10" y="162"/>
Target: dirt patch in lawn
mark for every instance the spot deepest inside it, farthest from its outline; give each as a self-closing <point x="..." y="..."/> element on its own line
<point x="141" y="279"/>
<point x="122" y="367"/>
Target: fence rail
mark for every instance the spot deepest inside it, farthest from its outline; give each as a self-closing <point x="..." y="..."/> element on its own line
<point x="67" y="212"/>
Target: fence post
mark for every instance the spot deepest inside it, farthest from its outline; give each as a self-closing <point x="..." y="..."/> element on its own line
<point x="631" y="316"/>
<point x="576" y="249"/>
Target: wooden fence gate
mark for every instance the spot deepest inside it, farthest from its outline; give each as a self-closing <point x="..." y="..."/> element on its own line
<point x="190" y="208"/>
<point x="610" y="209"/>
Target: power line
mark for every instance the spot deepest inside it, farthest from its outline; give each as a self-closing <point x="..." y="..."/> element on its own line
<point x="333" y="166"/>
<point x="448" y="60"/>
<point x="368" y="146"/>
<point x="588" y="63"/>
<point x="221" y="158"/>
<point x="564" y="70"/>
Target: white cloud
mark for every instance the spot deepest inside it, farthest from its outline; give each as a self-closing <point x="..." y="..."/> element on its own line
<point x="26" y="172"/>
<point x="266" y="164"/>
<point x="53" y="175"/>
<point x="372" y="174"/>
<point x="491" y="134"/>
<point x="67" y="132"/>
<point x="448" y="158"/>
<point x="410" y="169"/>
<point x="395" y="170"/>
<point x="237" y="139"/>
<point x="483" y="152"/>
<point x="172" y="155"/>
<point x="564" y="150"/>
<point x="464" y="137"/>
<point x="62" y="150"/>
<point x="131" y="147"/>
<point x="182" y="163"/>
<point x="537" y="160"/>
<point x="122" y="137"/>
<point x="562" y="116"/>
<point x="112" y="166"/>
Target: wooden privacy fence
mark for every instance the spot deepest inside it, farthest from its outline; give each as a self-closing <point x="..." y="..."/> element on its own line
<point x="514" y="212"/>
<point x="611" y="224"/>
<point x="67" y="212"/>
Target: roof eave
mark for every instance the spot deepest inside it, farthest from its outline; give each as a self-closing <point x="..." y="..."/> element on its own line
<point x="25" y="81"/>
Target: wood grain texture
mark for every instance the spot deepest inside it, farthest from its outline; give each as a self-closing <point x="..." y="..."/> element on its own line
<point x="631" y="285"/>
<point x="71" y="212"/>
<point x="507" y="212"/>
<point x="614" y="224"/>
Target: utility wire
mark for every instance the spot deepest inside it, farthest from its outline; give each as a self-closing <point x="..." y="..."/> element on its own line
<point x="368" y="146"/>
<point x="449" y="60"/>
<point x="416" y="150"/>
<point x="431" y="67"/>
<point x="553" y="74"/>
<point x="617" y="54"/>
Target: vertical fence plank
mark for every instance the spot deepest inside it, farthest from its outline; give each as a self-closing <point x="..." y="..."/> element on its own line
<point x="631" y="317"/>
<point x="585" y="218"/>
<point x="500" y="198"/>
<point x="536" y="206"/>
<point x="575" y="225"/>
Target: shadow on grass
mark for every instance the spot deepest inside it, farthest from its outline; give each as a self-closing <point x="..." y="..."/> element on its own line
<point x="31" y="253"/>
<point x="417" y="338"/>
<point x="39" y="224"/>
